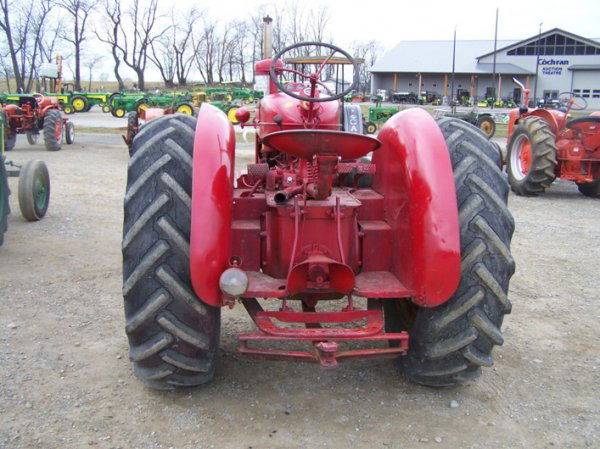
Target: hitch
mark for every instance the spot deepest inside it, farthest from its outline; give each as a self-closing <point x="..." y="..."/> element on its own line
<point x="325" y="340"/>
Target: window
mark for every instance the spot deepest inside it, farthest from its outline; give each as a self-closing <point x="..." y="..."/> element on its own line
<point x="434" y="85"/>
<point x="555" y="45"/>
<point x="550" y="94"/>
<point x="596" y="93"/>
<point x="577" y="92"/>
<point x="409" y="84"/>
<point x="586" y="93"/>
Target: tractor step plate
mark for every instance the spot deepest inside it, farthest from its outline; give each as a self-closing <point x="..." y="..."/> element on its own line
<point x="324" y="339"/>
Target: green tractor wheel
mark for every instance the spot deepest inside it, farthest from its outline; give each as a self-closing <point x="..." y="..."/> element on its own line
<point x="119" y="112"/>
<point x="487" y="125"/>
<point x="80" y="103"/>
<point x="68" y="109"/>
<point x="141" y="105"/>
<point x="105" y="108"/>
<point x="185" y="108"/>
<point x="231" y="114"/>
<point x="34" y="190"/>
<point x="371" y="127"/>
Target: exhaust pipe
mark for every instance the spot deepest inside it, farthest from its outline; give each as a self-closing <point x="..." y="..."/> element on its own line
<point x="267" y="48"/>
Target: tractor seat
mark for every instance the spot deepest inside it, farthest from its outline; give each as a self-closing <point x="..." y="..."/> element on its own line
<point x="305" y="143"/>
<point x="28" y="101"/>
<point x="583" y="122"/>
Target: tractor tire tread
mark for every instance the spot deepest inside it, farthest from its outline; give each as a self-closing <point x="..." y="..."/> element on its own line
<point x="450" y="343"/>
<point x="173" y="335"/>
<point x="543" y="158"/>
<point x="50" y="140"/>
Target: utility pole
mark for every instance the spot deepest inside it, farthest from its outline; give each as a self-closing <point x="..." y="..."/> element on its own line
<point x="453" y="69"/>
<point x="537" y="65"/>
<point x="494" y="63"/>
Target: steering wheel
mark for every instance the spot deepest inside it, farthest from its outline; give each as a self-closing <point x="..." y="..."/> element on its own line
<point x="576" y="103"/>
<point x="313" y="78"/>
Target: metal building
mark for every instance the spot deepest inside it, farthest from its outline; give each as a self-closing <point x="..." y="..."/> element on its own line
<point x="567" y="63"/>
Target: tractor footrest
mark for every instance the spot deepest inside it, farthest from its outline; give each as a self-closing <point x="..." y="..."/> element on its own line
<point x="324" y="339"/>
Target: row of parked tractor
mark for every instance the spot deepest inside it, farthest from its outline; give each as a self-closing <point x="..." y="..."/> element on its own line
<point x="228" y="99"/>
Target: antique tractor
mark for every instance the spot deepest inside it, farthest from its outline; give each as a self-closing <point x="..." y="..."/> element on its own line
<point x="33" y="187"/>
<point x="34" y="115"/>
<point x="406" y="252"/>
<point x="379" y="115"/>
<point x="544" y="144"/>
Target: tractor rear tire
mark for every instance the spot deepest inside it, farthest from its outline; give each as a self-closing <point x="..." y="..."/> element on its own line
<point x="591" y="189"/>
<point x="9" y="141"/>
<point x="32" y="138"/>
<point x="540" y="174"/>
<point x="173" y="336"/>
<point x="450" y="343"/>
<point x="52" y="138"/>
<point x="34" y="190"/>
<point x="4" y="205"/>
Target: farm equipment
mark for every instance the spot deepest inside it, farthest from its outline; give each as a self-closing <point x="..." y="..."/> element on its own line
<point x="484" y="121"/>
<point x="34" y="115"/>
<point x="33" y="187"/>
<point x="123" y="103"/>
<point x="420" y="229"/>
<point x="379" y="115"/>
<point x="544" y="144"/>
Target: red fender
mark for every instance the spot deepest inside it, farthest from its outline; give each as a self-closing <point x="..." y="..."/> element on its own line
<point x="212" y="202"/>
<point x="414" y="174"/>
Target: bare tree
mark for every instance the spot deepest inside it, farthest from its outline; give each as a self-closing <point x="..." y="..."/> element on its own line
<point x="138" y="35"/>
<point x="110" y="34"/>
<point x="206" y="51"/>
<point x="90" y="64"/>
<point x="369" y="51"/>
<point x="80" y="11"/>
<point x="12" y="50"/>
<point x="173" y="53"/>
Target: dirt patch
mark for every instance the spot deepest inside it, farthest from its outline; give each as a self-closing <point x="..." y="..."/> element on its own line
<point x="66" y="381"/>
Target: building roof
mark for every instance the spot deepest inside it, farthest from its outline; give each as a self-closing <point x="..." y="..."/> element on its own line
<point x="541" y="36"/>
<point x="436" y="56"/>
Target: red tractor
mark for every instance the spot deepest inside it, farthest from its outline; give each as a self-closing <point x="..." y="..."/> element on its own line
<point x="406" y="252"/>
<point x="543" y="144"/>
<point x="35" y="115"/>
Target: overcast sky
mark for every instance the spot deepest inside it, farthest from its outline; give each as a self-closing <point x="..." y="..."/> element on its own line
<point x="392" y="21"/>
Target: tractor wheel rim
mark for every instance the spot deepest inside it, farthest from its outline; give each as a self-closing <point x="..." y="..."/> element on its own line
<point x="78" y="104"/>
<point x="520" y="157"/>
<point x="39" y="193"/>
<point x="120" y="112"/>
<point x="231" y="115"/>
<point x="184" y="109"/>
<point x="58" y="130"/>
<point x="486" y="127"/>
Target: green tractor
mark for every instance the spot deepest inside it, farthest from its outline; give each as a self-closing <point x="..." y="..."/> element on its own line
<point x="135" y="102"/>
<point x="379" y="115"/>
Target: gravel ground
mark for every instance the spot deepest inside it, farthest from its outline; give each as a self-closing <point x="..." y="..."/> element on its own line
<point x="66" y="382"/>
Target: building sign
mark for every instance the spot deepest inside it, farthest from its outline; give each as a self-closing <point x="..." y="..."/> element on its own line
<point x="554" y="64"/>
